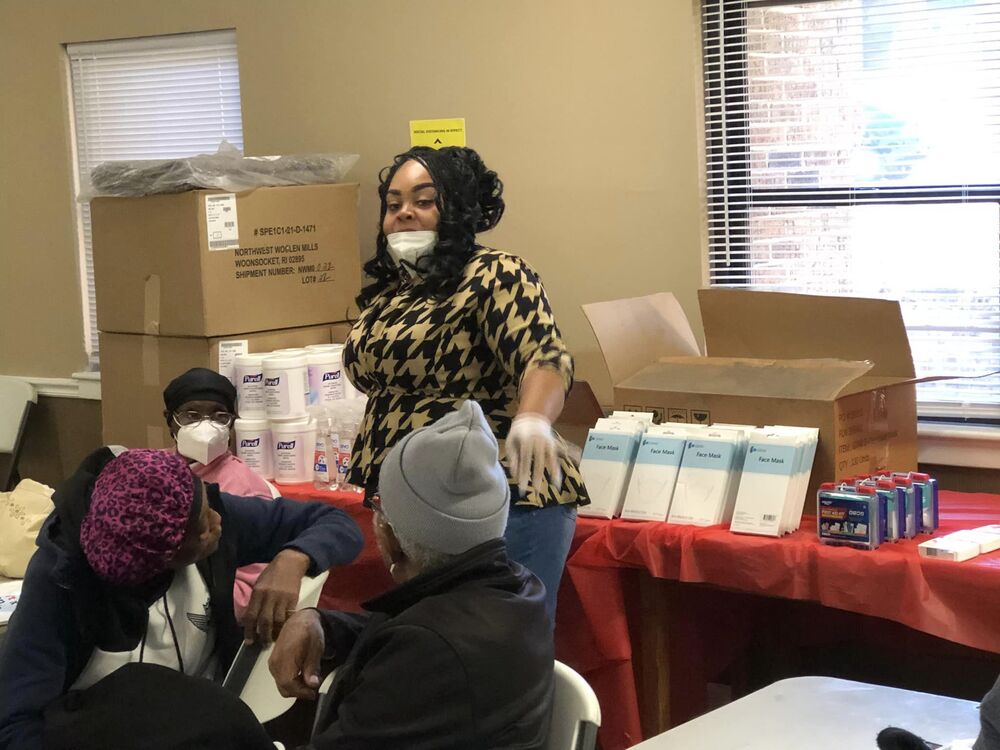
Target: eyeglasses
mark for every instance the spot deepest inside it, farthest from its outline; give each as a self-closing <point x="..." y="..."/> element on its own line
<point x="185" y="418"/>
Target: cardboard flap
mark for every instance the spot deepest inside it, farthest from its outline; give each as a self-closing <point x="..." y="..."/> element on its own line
<point x="778" y="325"/>
<point x="868" y="383"/>
<point x="808" y="379"/>
<point x="636" y="331"/>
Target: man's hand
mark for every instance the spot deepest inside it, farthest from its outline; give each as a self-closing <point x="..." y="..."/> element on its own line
<point x="275" y="596"/>
<point x="295" y="658"/>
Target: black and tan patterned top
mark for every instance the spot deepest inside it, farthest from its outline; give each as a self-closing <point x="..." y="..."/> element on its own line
<point x="416" y="358"/>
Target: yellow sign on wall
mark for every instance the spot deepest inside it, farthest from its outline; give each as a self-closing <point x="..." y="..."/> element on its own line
<point x="438" y="133"/>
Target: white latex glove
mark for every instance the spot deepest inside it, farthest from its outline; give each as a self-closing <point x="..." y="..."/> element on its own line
<point x="531" y="449"/>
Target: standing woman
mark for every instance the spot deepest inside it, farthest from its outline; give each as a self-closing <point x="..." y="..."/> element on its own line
<point x="447" y="319"/>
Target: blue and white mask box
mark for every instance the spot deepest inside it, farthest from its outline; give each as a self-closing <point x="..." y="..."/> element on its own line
<point x="704" y="482"/>
<point x="654" y="475"/>
<point x="768" y="484"/>
<point x="807" y="438"/>
<point x="606" y="465"/>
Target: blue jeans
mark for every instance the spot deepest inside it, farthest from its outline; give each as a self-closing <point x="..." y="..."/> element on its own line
<point x="539" y="539"/>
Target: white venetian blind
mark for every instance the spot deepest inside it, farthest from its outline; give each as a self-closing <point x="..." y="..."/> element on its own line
<point x="149" y="98"/>
<point x="853" y="148"/>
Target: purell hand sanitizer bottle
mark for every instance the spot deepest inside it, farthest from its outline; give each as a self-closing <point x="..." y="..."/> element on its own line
<point x="321" y="454"/>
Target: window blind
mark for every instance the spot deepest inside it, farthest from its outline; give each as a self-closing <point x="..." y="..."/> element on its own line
<point x="148" y="98"/>
<point x="853" y="148"/>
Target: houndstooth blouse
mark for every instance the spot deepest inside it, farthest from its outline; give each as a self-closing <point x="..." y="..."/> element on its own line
<point x="417" y="357"/>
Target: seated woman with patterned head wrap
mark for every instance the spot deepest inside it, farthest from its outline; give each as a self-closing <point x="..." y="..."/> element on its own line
<point x="136" y="565"/>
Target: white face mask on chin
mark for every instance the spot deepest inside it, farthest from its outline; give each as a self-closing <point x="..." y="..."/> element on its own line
<point x="406" y="248"/>
<point x="202" y="442"/>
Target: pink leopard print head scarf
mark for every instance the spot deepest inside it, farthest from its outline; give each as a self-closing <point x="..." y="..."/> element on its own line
<point x="139" y="511"/>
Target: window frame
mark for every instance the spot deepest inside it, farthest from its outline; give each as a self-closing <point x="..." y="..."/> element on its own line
<point x="166" y="44"/>
<point x="727" y="165"/>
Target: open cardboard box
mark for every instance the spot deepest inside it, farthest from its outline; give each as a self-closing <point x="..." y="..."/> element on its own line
<point x="841" y="364"/>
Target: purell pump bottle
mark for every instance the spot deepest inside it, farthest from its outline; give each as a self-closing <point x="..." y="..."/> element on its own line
<point x="324" y="476"/>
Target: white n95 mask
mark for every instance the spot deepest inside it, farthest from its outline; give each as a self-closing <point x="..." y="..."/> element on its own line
<point x="202" y="442"/>
<point x="406" y="248"/>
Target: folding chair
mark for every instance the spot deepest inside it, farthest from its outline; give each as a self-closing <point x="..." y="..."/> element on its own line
<point x="576" y="714"/>
<point x="17" y="398"/>
<point x="249" y="675"/>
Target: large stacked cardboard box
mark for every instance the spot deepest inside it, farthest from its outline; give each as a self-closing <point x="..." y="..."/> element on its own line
<point x="192" y="279"/>
<point x="840" y="364"/>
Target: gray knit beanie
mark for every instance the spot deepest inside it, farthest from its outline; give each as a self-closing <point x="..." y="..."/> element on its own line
<point x="442" y="485"/>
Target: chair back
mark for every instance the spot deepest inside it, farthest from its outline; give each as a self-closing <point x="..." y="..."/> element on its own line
<point x="16" y="399"/>
<point x="576" y="714"/>
<point x="249" y="675"/>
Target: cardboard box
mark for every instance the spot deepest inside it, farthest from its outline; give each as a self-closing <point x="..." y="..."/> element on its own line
<point x="840" y="364"/>
<point x="580" y="412"/>
<point x="180" y="265"/>
<point x="135" y="369"/>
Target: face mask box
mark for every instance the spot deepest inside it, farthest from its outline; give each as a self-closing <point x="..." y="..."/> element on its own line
<point x="654" y="475"/>
<point x="841" y="365"/>
<point x="768" y="484"/>
<point x="806" y="439"/>
<point x="136" y="369"/>
<point x="706" y="483"/>
<point x="207" y="263"/>
<point x="606" y="465"/>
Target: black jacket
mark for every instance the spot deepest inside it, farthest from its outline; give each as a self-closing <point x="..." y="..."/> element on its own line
<point x="458" y="658"/>
<point x="65" y="611"/>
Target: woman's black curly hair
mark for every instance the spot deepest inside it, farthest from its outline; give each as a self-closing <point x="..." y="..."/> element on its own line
<point x="469" y="201"/>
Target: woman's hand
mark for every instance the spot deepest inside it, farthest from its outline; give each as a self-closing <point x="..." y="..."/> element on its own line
<point x="275" y="596"/>
<point x="531" y="444"/>
<point x="295" y="659"/>
<point x="531" y="449"/>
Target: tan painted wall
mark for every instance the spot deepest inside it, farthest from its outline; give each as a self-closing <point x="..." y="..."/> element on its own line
<point x="588" y="110"/>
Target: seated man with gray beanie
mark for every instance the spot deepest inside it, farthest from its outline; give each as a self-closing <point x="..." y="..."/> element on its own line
<point x="458" y="654"/>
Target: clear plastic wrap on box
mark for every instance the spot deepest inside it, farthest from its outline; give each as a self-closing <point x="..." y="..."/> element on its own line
<point x="227" y="169"/>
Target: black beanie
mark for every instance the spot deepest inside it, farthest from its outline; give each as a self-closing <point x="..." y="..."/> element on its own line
<point x="199" y="384"/>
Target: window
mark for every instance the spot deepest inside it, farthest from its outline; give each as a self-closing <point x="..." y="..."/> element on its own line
<point x="149" y="98"/>
<point x="853" y="147"/>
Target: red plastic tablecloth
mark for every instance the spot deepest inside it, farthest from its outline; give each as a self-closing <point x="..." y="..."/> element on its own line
<point x="959" y="602"/>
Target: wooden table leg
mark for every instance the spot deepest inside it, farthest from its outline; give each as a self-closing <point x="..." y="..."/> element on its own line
<point x="651" y="663"/>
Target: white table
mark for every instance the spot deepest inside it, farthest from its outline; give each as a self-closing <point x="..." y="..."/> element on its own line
<point x="821" y="713"/>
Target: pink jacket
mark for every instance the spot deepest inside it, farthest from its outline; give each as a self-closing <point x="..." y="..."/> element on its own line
<point x="236" y="478"/>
